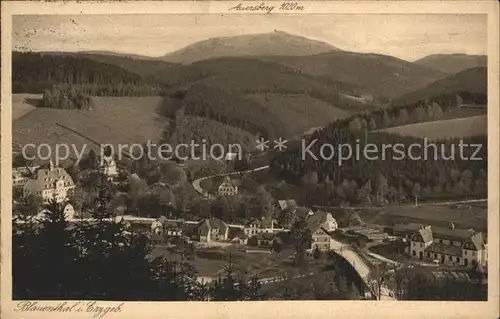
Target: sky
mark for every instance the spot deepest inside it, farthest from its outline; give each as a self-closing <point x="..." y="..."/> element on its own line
<point x="408" y="37"/>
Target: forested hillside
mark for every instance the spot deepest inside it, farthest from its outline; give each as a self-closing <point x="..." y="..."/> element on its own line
<point x="453" y="63"/>
<point x="36" y="72"/>
<point x="384" y="176"/>
<point x="382" y="76"/>
<point x="230" y="108"/>
<point x="471" y="85"/>
<point x="390" y="177"/>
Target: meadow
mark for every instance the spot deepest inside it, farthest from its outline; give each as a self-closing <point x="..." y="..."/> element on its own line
<point x="435" y="130"/>
<point x="22" y="104"/>
<point x="465" y="216"/>
<point x="113" y="120"/>
<point x="210" y="262"/>
<point x="300" y="111"/>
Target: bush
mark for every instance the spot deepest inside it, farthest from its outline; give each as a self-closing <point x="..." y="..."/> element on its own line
<point x="66" y="97"/>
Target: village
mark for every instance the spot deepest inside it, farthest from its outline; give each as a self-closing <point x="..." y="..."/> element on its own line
<point x="447" y="251"/>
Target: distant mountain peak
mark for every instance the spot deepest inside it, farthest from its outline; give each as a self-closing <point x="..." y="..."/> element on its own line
<point x="275" y="43"/>
<point x="453" y="63"/>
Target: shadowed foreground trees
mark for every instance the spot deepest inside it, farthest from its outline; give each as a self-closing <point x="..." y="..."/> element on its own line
<point x="102" y="259"/>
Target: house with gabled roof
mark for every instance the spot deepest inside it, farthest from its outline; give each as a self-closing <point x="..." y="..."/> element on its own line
<point x="420" y="240"/>
<point x="320" y="233"/>
<point x="451" y="246"/>
<point x="264" y="239"/>
<point x="53" y="183"/>
<point x="227" y="187"/>
<point x="211" y="229"/>
<point x="264" y="225"/>
<point x="21" y="175"/>
<point x="406" y="231"/>
<point x="287" y="204"/>
<point x="237" y="236"/>
<point x="324" y="219"/>
<point x="302" y="212"/>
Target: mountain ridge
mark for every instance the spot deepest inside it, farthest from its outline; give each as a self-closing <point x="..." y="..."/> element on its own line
<point x="453" y="63"/>
<point x="272" y="43"/>
<point x="470" y="81"/>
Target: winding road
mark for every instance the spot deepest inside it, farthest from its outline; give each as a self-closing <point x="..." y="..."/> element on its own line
<point x="346" y="251"/>
<point x="202" y="192"/>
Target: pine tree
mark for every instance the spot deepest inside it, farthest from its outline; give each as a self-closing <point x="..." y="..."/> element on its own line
<point x="301" y="238"/>
<point x="227" y="288"/>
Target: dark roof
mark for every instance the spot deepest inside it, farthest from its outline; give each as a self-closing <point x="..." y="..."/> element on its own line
<point x="423" y="235"/>
<point x="266" y="222"/>
<point x="445" y="249"/>
<point x="263" y="222"/>
<point x="321" y="216"/>
<point x="265" y="236"/>
<point x="449" y="233"/>
<point x="211" y="223"/>
<point x="203" y="227"/>
<point x="451" y="275"/>
<point x="162" y="219"/>
<point x="413" y="227"/>
<point x="236" y="232"/>
<point x="301" y="211"/>
<point x="314" y="224"/>
<point x="46" y="178"/>
<point x="216" y="223"/>
<point x="171" y="224"/>
<point x="230" y="182"/>
<point x="254" y="221"/>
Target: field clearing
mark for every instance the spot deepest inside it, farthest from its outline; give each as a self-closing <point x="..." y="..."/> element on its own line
<point x="435" y="130"/>
<point x="22" y="104"/>
<point x="463" y="216"/>
<point x="113" y="120"/>
<point x="463" y="112"/>
<point x="211" y="262"/>
<point x="300" y="111"/>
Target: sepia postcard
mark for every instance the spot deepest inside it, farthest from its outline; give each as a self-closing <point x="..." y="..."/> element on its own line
<point x="250" y="159"/>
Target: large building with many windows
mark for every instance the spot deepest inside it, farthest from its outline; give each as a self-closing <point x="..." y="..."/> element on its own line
<point x="445" y="245"/>
<point x="227" y="188"/>
<point x="50" y="183"/>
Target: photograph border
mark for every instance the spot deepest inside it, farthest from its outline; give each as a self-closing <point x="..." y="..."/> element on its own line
<point x="259" y="309"/>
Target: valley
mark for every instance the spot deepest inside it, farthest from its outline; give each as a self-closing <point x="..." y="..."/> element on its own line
<point x="273" y="215"/>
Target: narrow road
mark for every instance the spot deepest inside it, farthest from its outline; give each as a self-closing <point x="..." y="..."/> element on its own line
<point x="202" y="192"/>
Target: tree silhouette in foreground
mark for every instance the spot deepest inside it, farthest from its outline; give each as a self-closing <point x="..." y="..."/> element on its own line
<point x="103" y="259"/>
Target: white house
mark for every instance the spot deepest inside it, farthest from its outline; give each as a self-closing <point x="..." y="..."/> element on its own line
<point x="68" y="210"/>
<point x="52" y="183"/>
<point x="212" y="229"/>
<point x="227" y="188"/>
<point x="321" y="224"/>
<point x="108" y="167"/>
<point x="157" y="227"/>
<point x="450" y="246"/>
<point x="263" y="225"/>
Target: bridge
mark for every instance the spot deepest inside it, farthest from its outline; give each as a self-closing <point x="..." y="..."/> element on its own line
<point x="360" y="265"/>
